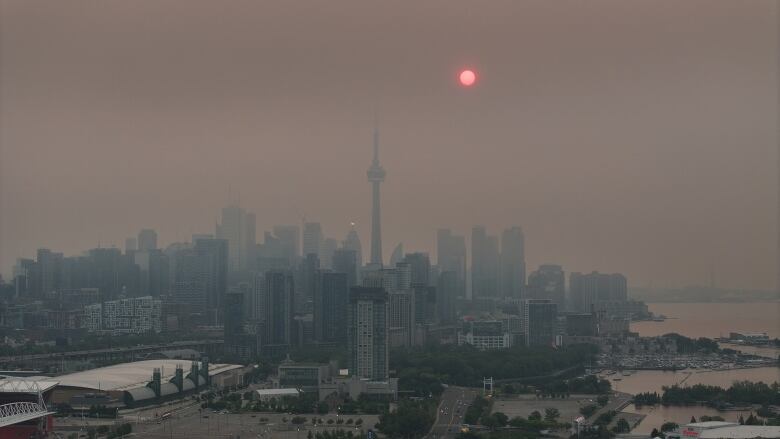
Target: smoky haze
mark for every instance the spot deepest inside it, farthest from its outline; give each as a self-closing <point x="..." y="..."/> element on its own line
<point x="633" y="137"/>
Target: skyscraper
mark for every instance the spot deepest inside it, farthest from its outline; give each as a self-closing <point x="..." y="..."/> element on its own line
<point x="279" y="309"/>
<point x="238" y="227"/>
<point x="215" y="252"/>
<point x="330" y="307"/>
<point x="147" y="240"/>
<point x="376" y="175"/>
<point x="512" y="262"/>
<point x="312" y="239"/>
<point x="484" y="263"/>
<point x="451" y="254"/>
<point x="367" y="333"/>
<point x="345" y="261"/>
<point x="352" y="242"/>
<point x="329" y="246"/>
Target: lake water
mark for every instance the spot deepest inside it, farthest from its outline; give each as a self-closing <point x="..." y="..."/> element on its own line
<point x="701" y="320"/>
<point x="712" y="319"/>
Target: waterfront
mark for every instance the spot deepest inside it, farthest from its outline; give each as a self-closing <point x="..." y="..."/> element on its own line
<point x="655" y="380"/>
<point x="710" y="320"/>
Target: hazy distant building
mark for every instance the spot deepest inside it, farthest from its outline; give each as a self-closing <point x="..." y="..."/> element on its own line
<point x="131" y="245"/>
<point x="238" y="228"/>
<point x="446" y="289"/>
<point x="420" y="265"/>
<point x="586" y="291"/>
<point x="539" y="319"/>
<point x="289" y="241"/>
<point x="329" y="246"/>
<point x="147" y="240"/>
<point x="367" y="333"/>
<point x="512" y="269"/>
<point x="397" y="255"/>
<point x="346" y="261"/>
<point x="215" y="255"/>
<point x="352" y="242"/>
<point x="451" y="254"/>
<point x="376" y="175"/>
<point x="309" y="268"/>
<point x="331" y="297"/>
<point x="484" y="263"/>
<point x="312" y="239"/>
<point x="50" y="270"/>
<point x="136" y="315"/>
<point x="235" y="338"/>
<point x="548" y="282"/>
<point x="279" y="309"/>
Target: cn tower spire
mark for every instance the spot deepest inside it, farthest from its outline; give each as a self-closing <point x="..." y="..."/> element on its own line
<point x="376" y="175"/>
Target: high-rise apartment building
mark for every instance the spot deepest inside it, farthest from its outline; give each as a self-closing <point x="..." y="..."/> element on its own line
<point x="367" y="333"/>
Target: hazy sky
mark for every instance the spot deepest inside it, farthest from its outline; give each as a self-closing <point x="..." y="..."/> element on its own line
<point x="634" y="137"/>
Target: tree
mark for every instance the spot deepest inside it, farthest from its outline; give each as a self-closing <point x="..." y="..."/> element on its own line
<point x="693" y="419"/>
<point x="309" y="436"/>
<point x="668" y="426"/>
<point x="602" y="400"/>
<point x="551" y="414"/>
<point x="535" y="416"/>
<point x="489" y="422"/>
<point x="655" y="433"/>
<point x="622" y="426"/>
<point x="322" y="408"/>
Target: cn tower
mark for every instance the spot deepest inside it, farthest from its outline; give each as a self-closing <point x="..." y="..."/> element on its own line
<point x="376" y="175"/>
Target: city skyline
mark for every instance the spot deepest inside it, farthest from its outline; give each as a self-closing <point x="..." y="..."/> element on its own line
<point x="679" y="187"/>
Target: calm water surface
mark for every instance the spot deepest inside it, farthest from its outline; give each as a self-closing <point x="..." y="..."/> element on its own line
<point x="712" y="319"/>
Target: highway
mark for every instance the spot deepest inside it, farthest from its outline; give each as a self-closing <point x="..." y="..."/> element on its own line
<point x="449" y="415"/>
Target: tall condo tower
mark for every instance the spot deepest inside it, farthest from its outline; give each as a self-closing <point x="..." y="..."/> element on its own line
<point x="376" y="175"/>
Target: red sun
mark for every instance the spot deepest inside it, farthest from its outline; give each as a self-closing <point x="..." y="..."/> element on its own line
<point x="467" y="78"/>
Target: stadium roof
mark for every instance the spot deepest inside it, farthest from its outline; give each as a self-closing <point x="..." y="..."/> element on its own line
<point x="127" y="376"/>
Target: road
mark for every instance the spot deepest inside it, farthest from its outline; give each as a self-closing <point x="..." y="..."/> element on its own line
<point x="449" y="415"/>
